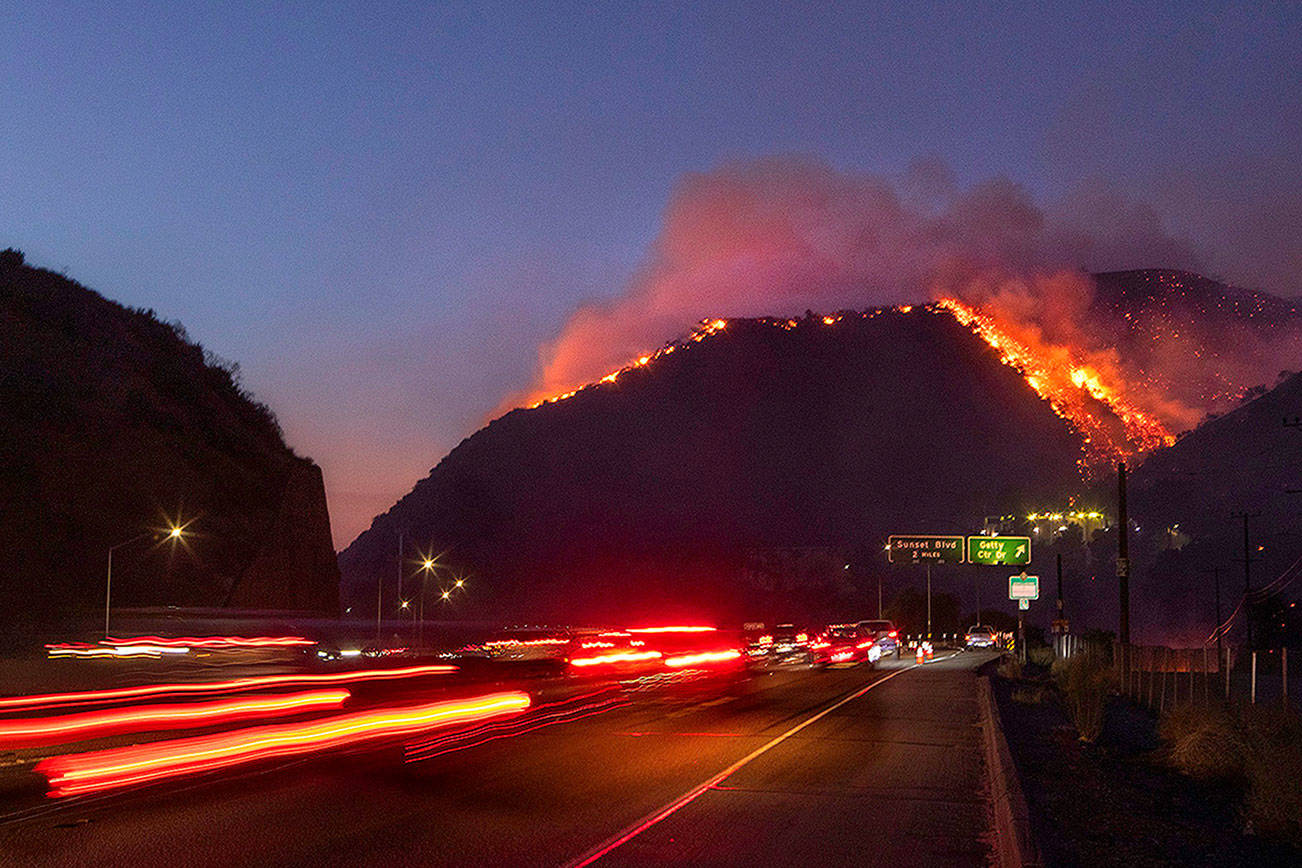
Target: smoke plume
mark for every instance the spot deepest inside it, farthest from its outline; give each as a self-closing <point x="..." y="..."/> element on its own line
<point x="778" y="236"/>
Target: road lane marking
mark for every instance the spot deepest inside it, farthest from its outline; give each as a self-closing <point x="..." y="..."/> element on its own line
<point x="629" y="833"/>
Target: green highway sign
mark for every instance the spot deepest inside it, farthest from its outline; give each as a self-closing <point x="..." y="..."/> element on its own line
<point x="1023" y="587"/>
<point x="924" y="549"/>
<point x="993" y="550"/>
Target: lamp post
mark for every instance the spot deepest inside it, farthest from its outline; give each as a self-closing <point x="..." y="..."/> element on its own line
<point x="173" y="533"/>
<point x="426" y="567"/>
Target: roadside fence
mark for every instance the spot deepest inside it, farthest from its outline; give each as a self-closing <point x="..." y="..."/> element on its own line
<point x="1160" y="677"/>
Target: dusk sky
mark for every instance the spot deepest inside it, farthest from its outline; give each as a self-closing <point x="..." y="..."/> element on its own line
<point x="385" y="211"/>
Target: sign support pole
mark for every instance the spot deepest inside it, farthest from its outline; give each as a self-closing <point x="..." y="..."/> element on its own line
<point x="928" y="602"/>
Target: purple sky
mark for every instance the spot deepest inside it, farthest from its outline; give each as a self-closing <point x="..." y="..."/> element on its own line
<point x="383" y="211"/>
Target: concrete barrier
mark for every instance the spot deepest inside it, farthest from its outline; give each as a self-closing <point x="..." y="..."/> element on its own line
<point x="1014" y="844"/>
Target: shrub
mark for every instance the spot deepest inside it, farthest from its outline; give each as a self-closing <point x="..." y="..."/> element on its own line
<point x="1273" y="738"/>
<point x="1030" y="695"/>
<point x="1042" y="657"/>
<point x="1009" y="668"/>
<point x="1205" y="743"/>
<point x="1085" y="685"/>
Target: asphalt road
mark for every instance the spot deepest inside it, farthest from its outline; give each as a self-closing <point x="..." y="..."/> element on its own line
<point x="853" y="766"/>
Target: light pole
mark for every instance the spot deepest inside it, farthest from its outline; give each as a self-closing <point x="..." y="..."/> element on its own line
<point x="426" y="567"/>
<point x="173" y="533"/>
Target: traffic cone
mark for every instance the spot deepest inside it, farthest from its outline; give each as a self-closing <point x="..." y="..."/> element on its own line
<point x="921" y="656"/>
<point x="930" y="652"/>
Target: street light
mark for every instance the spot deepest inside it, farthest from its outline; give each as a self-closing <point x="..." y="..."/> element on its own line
<point x="174" y="532"/>
<point x="426" y="567"/>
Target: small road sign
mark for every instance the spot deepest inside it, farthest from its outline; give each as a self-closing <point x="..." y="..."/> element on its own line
<point x="1023" y="604"/>
<point x="1010" y="550"/>
<point x="1023" y="587"/>
<point x="924" y="549"/>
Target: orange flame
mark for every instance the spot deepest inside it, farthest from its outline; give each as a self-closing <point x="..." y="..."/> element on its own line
<point x="1069" y="386"/>
<point x="1075" y="389"/>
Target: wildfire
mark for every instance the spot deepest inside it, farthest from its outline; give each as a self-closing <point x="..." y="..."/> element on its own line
<point x="1068" y="386"/>
<point x="1074" y="388"/>
<point x="700" y="333"/>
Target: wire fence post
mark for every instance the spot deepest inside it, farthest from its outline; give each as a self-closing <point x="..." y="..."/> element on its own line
<point x="1207" y="680"/>
<point x="1227" y="674"/>
<point x="1253" y="700"/>
<point x="1161" y="701"/>
<point x="1175" y="677"/>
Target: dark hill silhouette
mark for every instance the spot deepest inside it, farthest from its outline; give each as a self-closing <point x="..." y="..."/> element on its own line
<point x="652" y="495"/>
<point x="113" y="422"/>
<point x="1244" y="461"/>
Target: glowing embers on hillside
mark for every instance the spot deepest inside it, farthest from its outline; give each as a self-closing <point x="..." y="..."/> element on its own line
<point x="700" y="333"/>
<point x="135" y="765"/>
<point x="1074" y="390"/>
<point x="38" y="731"/>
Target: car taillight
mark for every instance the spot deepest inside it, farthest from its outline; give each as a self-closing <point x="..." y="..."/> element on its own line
<point x="894" y="634"/>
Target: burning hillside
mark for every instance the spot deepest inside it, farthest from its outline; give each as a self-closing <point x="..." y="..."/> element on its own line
<point x="651" y="487"/>
<point x="1130" y="358"/>
<point x="1145" y="357"/>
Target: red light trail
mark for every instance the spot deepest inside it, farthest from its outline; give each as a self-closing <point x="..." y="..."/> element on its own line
<point x="77" y="774"/>
<point x="617" y="657"/>
<point x="35" y="732"/>
<point x="702" y="658"/>
<point x="215" y="641"/>
<point x="257" y="682"/>
<point x="672" y="629"/>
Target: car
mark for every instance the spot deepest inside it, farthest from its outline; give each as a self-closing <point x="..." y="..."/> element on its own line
<point x="886" y="638"/>
<point x="788" y="644"/>
<point x="838" y="644"/>
<point x="980" y="636"/>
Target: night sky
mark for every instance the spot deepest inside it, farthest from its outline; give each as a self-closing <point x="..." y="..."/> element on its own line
<point x="384" y="211"/>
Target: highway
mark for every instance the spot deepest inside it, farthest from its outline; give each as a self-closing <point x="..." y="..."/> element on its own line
<point x="868" y="766"/>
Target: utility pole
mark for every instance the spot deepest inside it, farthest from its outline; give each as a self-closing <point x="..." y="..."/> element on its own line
<point x="1123" y="555"/>
<point x="976" y="581"/>
<point x="1247" y="571"/>
<point x="1060" y="616"/>
<point x="879" y="596"/>
<point x="399" y="597"/>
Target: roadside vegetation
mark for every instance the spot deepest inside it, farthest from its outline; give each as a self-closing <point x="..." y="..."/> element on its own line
<point x="1109" y="782"/>
<point x="1256" y="748"/>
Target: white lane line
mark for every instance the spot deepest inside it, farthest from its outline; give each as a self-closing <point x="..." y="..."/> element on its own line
<point x="631" y="832"/>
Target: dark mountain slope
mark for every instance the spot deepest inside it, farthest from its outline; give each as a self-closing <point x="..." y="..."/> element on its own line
<point x="112" y="423"/>
<point x="1188" y="501"/>
<point x="645" y="495"/>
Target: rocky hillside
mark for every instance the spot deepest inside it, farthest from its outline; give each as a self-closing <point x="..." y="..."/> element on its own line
<point x="114" y="424"/>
